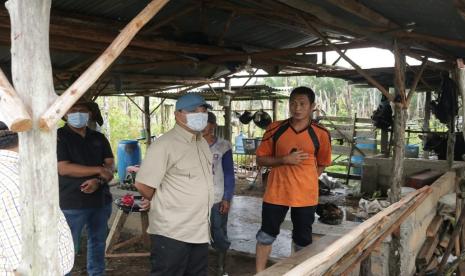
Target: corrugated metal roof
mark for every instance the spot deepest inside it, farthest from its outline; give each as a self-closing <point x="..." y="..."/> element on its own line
<point x="204" y="25"/>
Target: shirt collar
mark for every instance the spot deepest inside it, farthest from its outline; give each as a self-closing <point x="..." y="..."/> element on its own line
<point x="186" y="135"/>
<point x="88" y="131"/>
<point x="214" y="142"/>
<point x="9" y="156"/>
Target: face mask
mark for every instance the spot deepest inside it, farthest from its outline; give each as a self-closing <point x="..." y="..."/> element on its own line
<point x="78" y="119"/>
<point x="197" y="121"/>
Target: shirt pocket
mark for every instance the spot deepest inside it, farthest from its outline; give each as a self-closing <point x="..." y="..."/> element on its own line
<point x="187" y="168"/>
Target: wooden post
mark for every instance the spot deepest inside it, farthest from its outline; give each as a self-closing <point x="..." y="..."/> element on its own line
<point x="32" y="77"/>
<point x="227" y="114"/>
<point x="14" y="113"/>
<point x="385" y="142"/>
<point x="148" y="132"/>
<point x="451" y="143"/>
<point x="460" y="76"/>
<point x="400" y="119"/>
<point x="275" y="110"/>
<point x="426" y="119"/>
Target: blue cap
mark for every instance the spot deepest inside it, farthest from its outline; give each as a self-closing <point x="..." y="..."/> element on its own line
<point x="191" y="101"/>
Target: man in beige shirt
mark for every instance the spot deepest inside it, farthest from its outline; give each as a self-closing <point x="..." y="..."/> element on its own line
<point x="176" y="176"/>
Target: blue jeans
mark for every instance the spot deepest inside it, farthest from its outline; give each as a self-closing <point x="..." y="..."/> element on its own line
<point x="96" y="220"/>
<point x="218" y="228"/>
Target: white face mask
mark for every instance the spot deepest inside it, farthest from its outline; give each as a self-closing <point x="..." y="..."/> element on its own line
<point x="197" y="121"/>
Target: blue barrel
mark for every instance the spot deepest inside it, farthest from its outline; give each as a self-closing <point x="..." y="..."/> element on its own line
<point x="128" y="155"/>
<point x="358" y="159"/>
<point x="412" y="151"/>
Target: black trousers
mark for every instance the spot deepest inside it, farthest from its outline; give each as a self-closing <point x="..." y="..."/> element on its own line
<point x="302" y="220"/>
<point x="170" y="257"/>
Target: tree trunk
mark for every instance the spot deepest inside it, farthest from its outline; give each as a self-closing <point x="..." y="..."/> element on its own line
<point x="148" y="131"/>
<point x="349" y="99"/>
<point x="32" y="78"/>
<point x="460" y="76"/>
<point x="426" y="119"/>
<point x="400" y="119"/>
<point x="227" y="115"/>
<point x="106" y="117"/>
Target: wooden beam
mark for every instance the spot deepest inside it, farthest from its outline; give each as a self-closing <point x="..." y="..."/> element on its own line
<point x="370" y="79"/>
<point x="289" y="51"/>
<point x="455" y="233"/>
<point x="320" y="263"/>
<point x="394" y="227"/>
<point x="416" y="80"/>
<point x="106" y="32"/>
<point x="32" y="78"/>
<point x="358" y="9"/>
<point x="76" y="45"/>
<point x="14" y="113"/>
<point x="80" y="86"/>
<point x="429" y="38"/>
<point x="169" y="19"/>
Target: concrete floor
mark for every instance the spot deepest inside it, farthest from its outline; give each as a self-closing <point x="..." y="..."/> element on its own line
<point x="244" y="222"/>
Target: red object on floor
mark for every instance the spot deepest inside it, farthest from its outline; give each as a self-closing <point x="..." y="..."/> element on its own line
<point x="127" y="200"/>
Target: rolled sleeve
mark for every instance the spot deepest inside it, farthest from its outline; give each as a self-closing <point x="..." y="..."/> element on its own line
<point x="154" y="166"/>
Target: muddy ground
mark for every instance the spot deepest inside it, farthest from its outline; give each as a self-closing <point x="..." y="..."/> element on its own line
<point x="238" y="264"/>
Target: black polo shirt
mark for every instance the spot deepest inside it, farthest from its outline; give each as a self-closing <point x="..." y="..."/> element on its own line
<point x="90" y="150"/>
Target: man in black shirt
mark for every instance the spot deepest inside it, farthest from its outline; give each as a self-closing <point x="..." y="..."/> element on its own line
<point x="85" y="165"/>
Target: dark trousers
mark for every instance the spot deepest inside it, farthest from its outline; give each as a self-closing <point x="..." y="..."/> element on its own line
<point x="170" y="257"/>
<point x="302" y="220"/>
<point x="218" y="229"/>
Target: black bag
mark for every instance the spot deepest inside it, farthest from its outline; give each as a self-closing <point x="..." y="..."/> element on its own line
<point x="382" y="116"/>
<point x="445" y="108"/>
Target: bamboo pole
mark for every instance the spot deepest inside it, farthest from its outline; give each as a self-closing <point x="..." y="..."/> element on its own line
<point x="32" y="78"/>
<point x="12" y="109"/>
<point x="80" y="86"/>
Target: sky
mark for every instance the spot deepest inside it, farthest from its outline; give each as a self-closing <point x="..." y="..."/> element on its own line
<point x="366" y="58"/>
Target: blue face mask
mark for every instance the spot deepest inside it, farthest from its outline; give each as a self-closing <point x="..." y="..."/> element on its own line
<point x="78" y="119"/>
